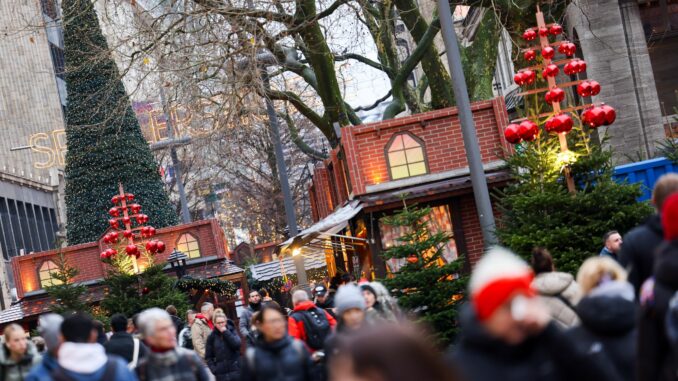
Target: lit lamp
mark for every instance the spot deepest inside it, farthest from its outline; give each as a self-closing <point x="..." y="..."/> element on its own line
<point x="177" y="260"/>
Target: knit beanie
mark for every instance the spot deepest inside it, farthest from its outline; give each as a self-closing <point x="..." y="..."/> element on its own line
<point x="670" y="217"/>
<point x="347" y="297"/>
<point x="498" y="276"/>
<point x="49" y="327"/>
<point x="369" y="288"/>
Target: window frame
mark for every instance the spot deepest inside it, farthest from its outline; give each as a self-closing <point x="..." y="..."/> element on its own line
<point x="422" y="145"/>
<point x="51" y="278"/>
<point x="177" y="243"/>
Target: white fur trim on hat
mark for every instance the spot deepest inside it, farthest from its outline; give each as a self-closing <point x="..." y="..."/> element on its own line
<point x="497" y="263"/>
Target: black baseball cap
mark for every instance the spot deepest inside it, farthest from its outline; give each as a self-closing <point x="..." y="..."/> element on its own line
<point x="320" y="290"/>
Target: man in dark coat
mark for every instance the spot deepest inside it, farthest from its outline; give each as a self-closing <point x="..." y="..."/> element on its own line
<point x="640" y="244"/>
<point x="176" y="320"/>
<point x="324" y="300"/>
<point x="122" y="343"/>
<point x="245" y="324"/>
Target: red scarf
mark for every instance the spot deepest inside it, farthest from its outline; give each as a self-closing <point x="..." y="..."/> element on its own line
<point x="205" y="319"/>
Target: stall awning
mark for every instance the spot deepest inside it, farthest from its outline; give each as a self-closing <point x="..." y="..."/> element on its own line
<point x="313" y="259"/>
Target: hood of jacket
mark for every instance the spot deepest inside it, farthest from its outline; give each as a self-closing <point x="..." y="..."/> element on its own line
<point x="304" y="306"/>
<point x="31" y="351"/>
<point x="552" y="283"/>
<point x="609" y="309"/>
<point x="666" y="265"/>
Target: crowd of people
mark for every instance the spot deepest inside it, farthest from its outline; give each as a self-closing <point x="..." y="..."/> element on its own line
<point x="616" y="320"/>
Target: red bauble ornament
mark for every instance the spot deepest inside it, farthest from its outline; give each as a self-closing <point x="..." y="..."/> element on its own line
<point x="565" y="122"/>
<point x="512" y="134"/>
<point x="136" y="208"/>
<point x="550" y="70"/>
<point x="412" y="258"/>
<point x="126" y="220"/>
<point x="115" y="199"/>
<point x="114" y="212"/>
<point x="574" y="67"/>
<point x="129" y="196"/>
<point x="555" y="95"/>
<point x="140" y="219"/>
<point x="595" y="87"/>
<point x="593" y="117"/>
<point x="519" y="78"/>
<point x="128" y="234"/>
<point x="528" y="130"/>
<point x="529" y="35"/>
<point x="132" y="250"/>
<point x="543" y="32"/>
<point x="107" y="238"/>
<point x="567" y="48"/>
<point x="568" y="69"/>
<point x="151" y="231"/>
<point x="548" y="52"/>
<point x="553" y="125"/>
<point x="555" y="29"/>
<point x="114" y="236"/>
<point x="161" y="246"/>
<point x="584" y="89"/>
<point x="103" y="255"/>
<point x="152" y="246"/>
<point x="530" y="55"/>
<point x="111" y="253"/>
<point x="610" y="114"/>
<point x="114" y="223"/>
<point x="145" y="290"/>
<point x="144" y="231"/>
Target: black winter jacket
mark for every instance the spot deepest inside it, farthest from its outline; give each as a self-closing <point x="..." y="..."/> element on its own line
<point x="122" y="344"/>
<point x="282" y="360"/>
<point x="639" y="249"/>
<point x="608" y="324"/>
<point x="655" y="360"/>
<point x="551" y="356"/>
<point x="222" y="353"/>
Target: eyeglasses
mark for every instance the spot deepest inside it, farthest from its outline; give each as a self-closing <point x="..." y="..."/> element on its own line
<point x="220" y="322"/>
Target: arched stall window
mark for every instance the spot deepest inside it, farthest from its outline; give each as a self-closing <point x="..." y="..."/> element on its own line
<point x="405" y="156"/>
<point x="188" y="244"/>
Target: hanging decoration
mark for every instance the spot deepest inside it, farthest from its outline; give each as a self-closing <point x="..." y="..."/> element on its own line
<point x="558" y="121"/>
<point x="217" y="286"/>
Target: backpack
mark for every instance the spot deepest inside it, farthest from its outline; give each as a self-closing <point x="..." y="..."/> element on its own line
<point x="316" y="325"/>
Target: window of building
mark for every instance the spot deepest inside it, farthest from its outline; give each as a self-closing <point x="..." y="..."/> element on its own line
<point x="58" y="60"/>
<point x="46" y="274"/>
<point x="49" y="8"/>
<point x="405" y="155"/>
<point x="188" y="245"/>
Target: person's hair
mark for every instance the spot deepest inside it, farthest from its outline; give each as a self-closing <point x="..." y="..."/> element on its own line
<point x="263" y="292"/>
<point x="258" y="317"/>
<point x="300" y="296"/>
<point x="118" y="323"/>
<point x="190" y="312"/>
<point x="77" y="328"/>
<point x="392" y="352"/>
<point x="219" y="311"/>
<point x="171" y="310"/>
<point x="10" y="329"/>
<point x="608" y="235"/>
<point x="345" y="278"/>
<point x="252" y="292"/>
<point x="135" y="320"/>
<point x="149" y="318"/>
<point x="217" y="315"/>
<point x="206" y="307"/>
<point x="39" y="343"/>
<point x="597" y="269"/>
<point x="663" y="188"/>
<point x="541" y="260"/>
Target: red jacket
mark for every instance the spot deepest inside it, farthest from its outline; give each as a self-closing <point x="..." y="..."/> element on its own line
<point x="296" y="328"/>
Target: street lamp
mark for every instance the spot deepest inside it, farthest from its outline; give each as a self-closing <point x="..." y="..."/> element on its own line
<point x="178" y="262"/>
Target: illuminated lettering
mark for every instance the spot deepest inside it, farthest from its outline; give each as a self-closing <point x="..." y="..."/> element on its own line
<point x="35" y="143"/>
<point x="59" y="137"/>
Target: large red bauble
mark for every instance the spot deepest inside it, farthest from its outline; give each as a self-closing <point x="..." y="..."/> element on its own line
<point x="103" y="255"/>
<point x="132" y="250"/>
<point x="543" y="31"/>
<point x="107" y="238"/>
<point x="111" y="253"/>
<point x="530" y="55"/>
<point x="114" y="236"/>
<point x="140" y="219"/>
<point x="127" y="233"/>
<point x="565" y="122"/>
<point x="553" y="125"/>
<point x="136" y="208"/>
<point x="530" y="76"/>
<point x="114" y="223"/>
<point x="555" y="95"/>
<point x="548" y="52"/>
<point x="114" y="212"/>
<point x="144" y="231"/>
<point x="528" y="130"/>
<point x="152" y="246"/>
<point x="115" y="199"/>
<point x="512" y="134"/>
<point x="550" y="70"/>
<point x="529" y="35"/>
<point x="574" y="67"/>
<point x="610" y="114"/>
<point x="568" y="69"/>
<point x="126" y="220"/>
<point x="151" y="231"/>
<point x="593" y="117"/>
<point x="129" y="196"/>
<point x="555" y="29"/>
<point x="584" y="89"/>
<point x="161" y="246"/>
<point x="520" y="78"/>
<point x="567" y="48"/>
<point x="146" y="218"/>
<point x="595" y="87"/>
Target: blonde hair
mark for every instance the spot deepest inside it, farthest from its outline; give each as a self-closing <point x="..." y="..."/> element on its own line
<point x="10" y="329"/>
<point x="594" y="269"/>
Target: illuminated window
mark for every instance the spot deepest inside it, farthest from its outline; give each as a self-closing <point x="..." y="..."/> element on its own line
<point x="188" y="245"/>
<point x="405" y="154"/>
<point x="46" y="274"/>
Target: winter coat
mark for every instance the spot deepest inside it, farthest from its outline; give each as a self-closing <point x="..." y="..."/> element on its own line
<point x="245" y="323"/>
<point x="178" y="364"/>
<point x="89" y="362"/>
<point x="549" y="355"/>
<point x="638" y="252"/>
<point x="560" y="293"/>
<point x="378" y="315"/>
<point x="178" y="323"/>
<point x="608" y="322"/>
<point x="42" y="372"/>
<point x="122" y="344"/>
<point x="17" y="371"/>
<point x="222" y="353"/>
<point x="328" y="305"/>
<point x="185" y="338"/>
<point x="282" y="360"/>
<point x="297" y="329"/>
<point x="200" y="331"/>
<point x="655" y="360"/>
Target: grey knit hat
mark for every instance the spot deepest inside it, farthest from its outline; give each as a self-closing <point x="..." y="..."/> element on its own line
<point x="49" y="327"/>
<point x="349" y="296"/>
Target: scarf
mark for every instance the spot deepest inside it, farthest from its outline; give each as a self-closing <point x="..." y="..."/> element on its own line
<point x="206" y="320"/>
<point x="82" y="358"/>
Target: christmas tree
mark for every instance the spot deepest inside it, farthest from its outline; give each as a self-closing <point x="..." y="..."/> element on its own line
<point x="425" y="284"/>
<point x="66" y="295"/>
<point x="105" y="144"/>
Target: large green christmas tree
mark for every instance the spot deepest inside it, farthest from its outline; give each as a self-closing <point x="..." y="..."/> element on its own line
<point x="105" y="144"/>
<point x="425" y="284"/>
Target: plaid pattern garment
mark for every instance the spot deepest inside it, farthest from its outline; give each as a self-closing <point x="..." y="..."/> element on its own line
<point x="179" y="364"/>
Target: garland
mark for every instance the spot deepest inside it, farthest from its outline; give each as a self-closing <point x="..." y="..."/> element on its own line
<point x="217" y="286"/>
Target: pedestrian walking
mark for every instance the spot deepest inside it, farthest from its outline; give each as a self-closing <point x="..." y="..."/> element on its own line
<point x="222" y="351"/>
<point x="245" y="323"/>
<point x="82" y="358"/>
<point x="178" y="323"/>
<point x="612" y="243"/>
<point x="18" y="354"/>
<point x="656" y="360"/>
<point x="507" y="334"/>
<point x="324" y="300"/>
<point x="559" y="292"/>
<point x="608" y="314"/>
<point x="308" y="323"/>
<point x="101" y="332"/>
<point x="166" y="361"/>
<point x="386" y="301"/>
<point x="49" y="328"/>
<point x="350" y="307"/>
<point x="202" y="327"/>
<point x="122" y="344"/>
<point x="640" y="244"/>
<point x="277" y="356"/>
<point x="185" y="339"/>
<point x="376" y="313"/>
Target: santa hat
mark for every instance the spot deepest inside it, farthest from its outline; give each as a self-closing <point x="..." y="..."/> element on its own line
<point x="670" y="217"/>
<point x="498" y="276"/>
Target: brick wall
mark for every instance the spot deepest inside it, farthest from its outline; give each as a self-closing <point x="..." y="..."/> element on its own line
<point x="85" y="257"/>
<point x="321" y="200"/>
<point x="441" y="133"/>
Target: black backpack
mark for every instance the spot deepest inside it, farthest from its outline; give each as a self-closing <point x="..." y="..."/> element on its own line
<point x="316" y="325"/>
